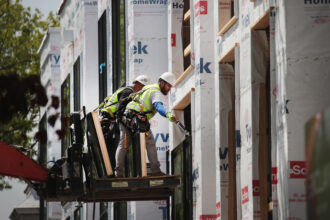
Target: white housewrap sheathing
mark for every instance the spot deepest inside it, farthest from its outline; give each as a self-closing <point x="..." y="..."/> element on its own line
<point x="303" y="77"/>
<point x="147" y="49"/>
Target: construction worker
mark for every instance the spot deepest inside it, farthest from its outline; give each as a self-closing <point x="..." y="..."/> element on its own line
<point x="136" y="119"/>
<point x="112" y="109"/>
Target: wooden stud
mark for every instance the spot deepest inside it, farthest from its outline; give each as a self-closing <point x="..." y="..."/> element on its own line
<point x="229" y="56"/>
<point x="186" y="16"/>
<point x="187" y="50"/>
<point x="103" y="146"/>
<point x="184" y="102"/>
<point x="143" y="153"/>
<point x="227" y="26"/>
<point x="263" y="153"/>
<point x="263" y="21"/>
<point x="183" y="75"/>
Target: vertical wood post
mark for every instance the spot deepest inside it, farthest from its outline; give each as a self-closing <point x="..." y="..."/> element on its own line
<point x="143" y="154"/>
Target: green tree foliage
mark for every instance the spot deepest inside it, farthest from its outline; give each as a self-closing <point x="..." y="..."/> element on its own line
<point x="21" y="93"/>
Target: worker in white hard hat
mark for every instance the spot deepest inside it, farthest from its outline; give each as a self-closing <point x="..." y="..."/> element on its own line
<point x="112" y="110"/>
<point x="136" y="119"/>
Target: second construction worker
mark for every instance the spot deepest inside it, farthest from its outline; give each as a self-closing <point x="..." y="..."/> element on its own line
<point x="112" y="110"/>
<point x="136" y="119"/>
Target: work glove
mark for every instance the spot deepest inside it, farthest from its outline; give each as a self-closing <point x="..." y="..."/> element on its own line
<point x="170" y="116"/>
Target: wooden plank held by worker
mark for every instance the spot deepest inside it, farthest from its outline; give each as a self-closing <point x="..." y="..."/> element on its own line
<point x="143" y="154"/>
<point x="102" y="144"/>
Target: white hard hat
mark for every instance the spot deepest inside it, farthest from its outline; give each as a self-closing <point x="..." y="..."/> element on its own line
<point x="168" y="77"/>
<point x="143" y="79"/>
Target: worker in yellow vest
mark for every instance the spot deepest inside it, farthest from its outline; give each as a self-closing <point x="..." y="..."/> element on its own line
<point x="136" y="118"/>
<point x="112" y="109"/>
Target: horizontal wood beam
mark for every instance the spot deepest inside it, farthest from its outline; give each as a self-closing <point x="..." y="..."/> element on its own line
<point x="263" y="21"/>
<point x="227" y="26"/>
<point x="184" y="75"/>
<point x="229" y="56"/>
<point x="186" y="16"/>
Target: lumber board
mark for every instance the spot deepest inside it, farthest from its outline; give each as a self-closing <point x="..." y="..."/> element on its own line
<point x="263" y="21"/>
<point x="229" y="56"/>
<point x="102" y="144"/>
<point x="187" y="50"/>
<point x="227" y="26"/>
<point x="186" y="16"/>
<point x="184" y="75"/>
<point x="184" y="102"/>
<point x="143" y="154"/>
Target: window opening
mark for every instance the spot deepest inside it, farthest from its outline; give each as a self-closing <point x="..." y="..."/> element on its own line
<point x="182" y="164"/>
<point x="264" y="153"/>
<point x="76" y="85"/>
<point x="227" y="18"/>
<point x="118" y="42"/>
<point x="102" y="41"/>
<point x="120" y="210"/>
<point x="65" y="115"/>
<point x="103" y="211"/>
<point x="227" y="152"/>
<point x="76" y="214"/>
<point x="186" y="46"/>
<point x="42" y="157"/>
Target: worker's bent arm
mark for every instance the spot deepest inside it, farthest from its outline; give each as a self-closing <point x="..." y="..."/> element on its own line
<point x="160" y="108"/>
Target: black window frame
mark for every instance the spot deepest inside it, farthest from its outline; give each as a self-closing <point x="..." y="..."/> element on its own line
<point x="76" y="85"/>
<point x="65" y="116"/>
<point x="118" y="44"/>
<point x="77" y="214"/>
<point x="42" y="145"/>
<point x="184" y="150"/>
<point x="104" y="211"/>
<point x="103" y="64"/>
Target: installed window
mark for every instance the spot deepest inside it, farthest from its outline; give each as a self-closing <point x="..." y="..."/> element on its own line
<point x="102" y="35"/>
<point x="65" y="115"/>
<point x="76" y="85"/>
<point x="118" y="42"/>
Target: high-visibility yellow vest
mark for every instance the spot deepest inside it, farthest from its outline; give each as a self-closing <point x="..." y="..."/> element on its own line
<point x="111" y="102"/>
<point x="142" y="103"/>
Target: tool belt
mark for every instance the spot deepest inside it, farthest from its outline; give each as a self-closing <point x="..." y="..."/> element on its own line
<point x="136" y="121"/>
<point x="109" y="125"/>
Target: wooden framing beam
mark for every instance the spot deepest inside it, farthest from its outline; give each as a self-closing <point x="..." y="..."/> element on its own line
<point x="263" y="21"/>
<point x="143" y="154"/>
<point x="227" y="26"/>
<point x="229" y="56"/>
<point x="186" y="16"/>
<point x="187" y="50"/>
<point x="184" y="75"/>
<point x="184" y="102"/>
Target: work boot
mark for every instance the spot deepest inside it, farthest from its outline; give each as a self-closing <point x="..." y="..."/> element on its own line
<point x="160" y="173"/>
<point x="119" y="176"/>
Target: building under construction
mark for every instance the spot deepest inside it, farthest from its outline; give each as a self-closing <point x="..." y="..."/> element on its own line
<point x="250" y="75"/>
